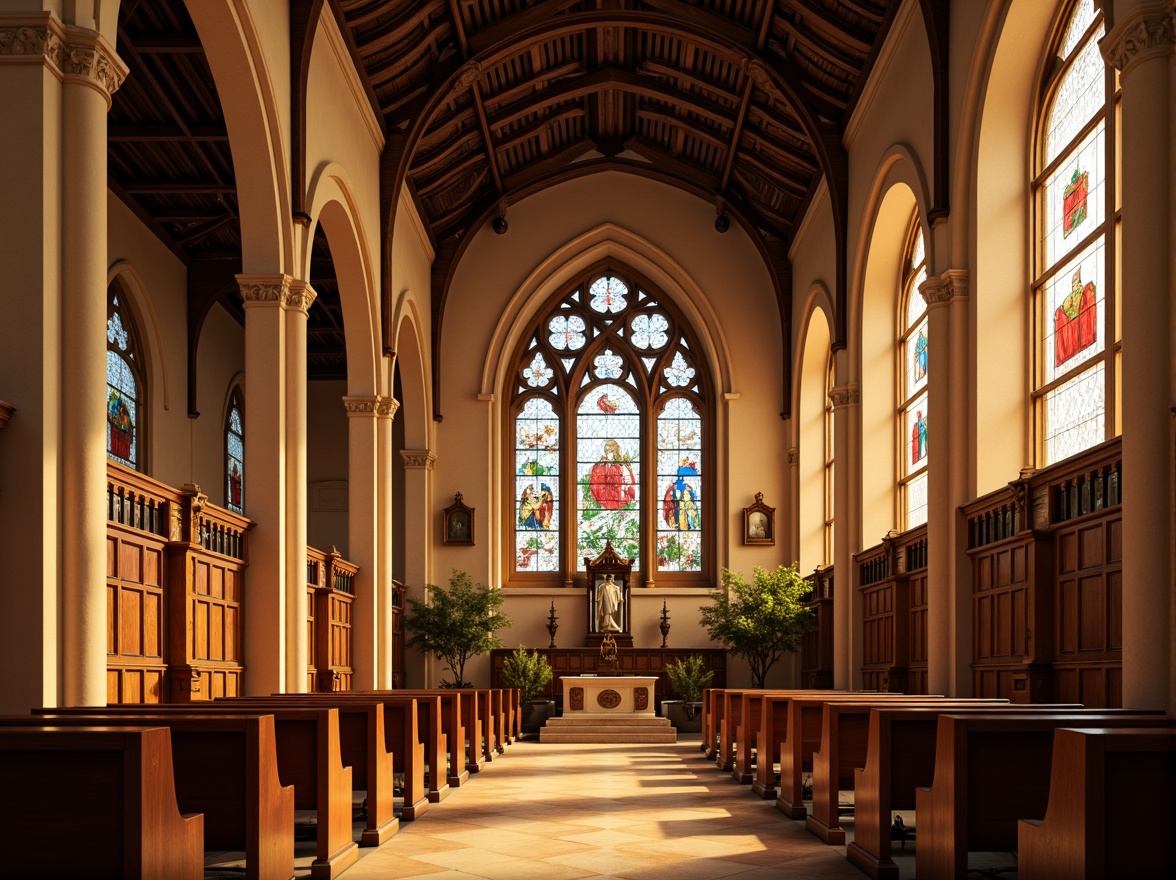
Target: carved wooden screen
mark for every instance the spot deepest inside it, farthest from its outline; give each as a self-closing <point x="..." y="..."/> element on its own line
<point x="816" y="653"/>
<point x="330" y="597"/>
<point x="136" y="580"/>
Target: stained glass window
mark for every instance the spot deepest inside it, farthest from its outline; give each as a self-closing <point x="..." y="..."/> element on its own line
<point x="608" y="460"/>
<point x="536" y="487"/>
<point x="913" y="347"/>
<point x="235" y="454"/>
<point x="1073" y="291"/>
<point x="679" y="486"/>
<point x="830" y="381"/>
<point x="124" y="384"/>
<point x="628" y="389"/>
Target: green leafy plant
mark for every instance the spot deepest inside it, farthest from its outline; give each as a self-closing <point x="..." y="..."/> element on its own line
<point x="456" y="623"/>
<point x="528" y="671"/>
<point x="688" y="676"/>
<point x="761" y="621"/>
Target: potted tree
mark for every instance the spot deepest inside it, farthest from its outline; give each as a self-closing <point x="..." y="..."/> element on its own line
<point x="530" y="673"/>
<point x="456" y="624"/>
<point x="761" y="621"/>
<point x="688" y="676"/>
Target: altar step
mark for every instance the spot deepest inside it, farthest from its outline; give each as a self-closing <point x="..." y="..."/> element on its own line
<point x="610" y="728"/>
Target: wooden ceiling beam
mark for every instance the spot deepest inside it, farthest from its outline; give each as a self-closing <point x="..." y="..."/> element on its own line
<point x="427" y="188"/>
<point x="168" y="44"/>
<point x="788" y="159"/>
<point x="776" y="175"/>
<point x="682" y="124"/>
<point x="505" y="28"/>
<point x="189" y="186"/>
<point x="445" y="152"/>
<point x="835" y="27"/>
<point x="205" y="229"/>
<point x="538" y="128"/>
<point x="476" y="90"/>
<point x="165" y="133"/>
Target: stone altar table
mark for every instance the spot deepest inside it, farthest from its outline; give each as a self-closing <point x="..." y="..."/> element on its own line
<point x="608" y="708"/>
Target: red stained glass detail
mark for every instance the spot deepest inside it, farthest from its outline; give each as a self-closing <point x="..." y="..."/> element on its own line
<point x="1075" y="321"/>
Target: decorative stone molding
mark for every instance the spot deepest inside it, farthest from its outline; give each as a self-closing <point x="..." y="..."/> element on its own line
<point x="264" y="288"/>
<point x="794" y="455"/>
<point x="372" y="406"/>
<point x="357" y="406"/>
<point x="761" y="75"/>
<point x="1143" y="34"/>
<point x="845" y="395"/>
<point x="300" y="297"/>
<point x="941" y="290"/>
<point x="281" y="290"/>
<point x="423" y="459"/>
<point x="73" y="52"/>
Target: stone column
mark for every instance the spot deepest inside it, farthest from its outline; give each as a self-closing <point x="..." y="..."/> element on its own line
<point x="847" y="612"/>
<point x="1141" y="47"/>
<point x="949" y="593"/>
<point x="295" y="307"/>
<point x="363" y="523"/>
<point x="276" y="651"/>
<point x="418" y="541"/>
<point x="792" y="540"/>
<point x="385" y="413"/>
<point x="56" y="82"/>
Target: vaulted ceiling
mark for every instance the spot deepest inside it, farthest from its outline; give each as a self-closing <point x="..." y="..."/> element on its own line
<point x="741" y="102"/>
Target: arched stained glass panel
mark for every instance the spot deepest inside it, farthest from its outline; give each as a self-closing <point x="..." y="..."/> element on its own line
<point x="608" y="473"/>
<point x="235" y="455"/>
<point x="124" y="388"/>
<point x="913" y="346"/>
<point x="679" y="486"/>
<point x="537" y="487"/>
<point x="1077" y="344"/>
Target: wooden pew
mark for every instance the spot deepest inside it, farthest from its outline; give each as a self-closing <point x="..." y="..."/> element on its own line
<point x="363" y="743"/>
<point x="746" y="729"/>
<point x="900" y="757"/>
<point x="844" y="740"/>
<point x="225" y="767"/>
<point x="712" y="709"/>
<point x="455" y="708"/>
<point x="991" y="771"/>
<point x="802" y="736"/>
<point x="100" y="800"/>
<point x="309" y="758"/>
<point x="412" y="750"/>
<point x="1112" y="808"/>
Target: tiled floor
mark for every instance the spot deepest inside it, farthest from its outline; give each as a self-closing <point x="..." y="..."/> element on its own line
<point x="640" y="812"/>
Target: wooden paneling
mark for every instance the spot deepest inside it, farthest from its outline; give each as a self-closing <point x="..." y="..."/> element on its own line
<point x="892" y="581"/>
<point x="175" y="585"/>
<point x="1047" y="584"/>
<point x="330" y="594"/>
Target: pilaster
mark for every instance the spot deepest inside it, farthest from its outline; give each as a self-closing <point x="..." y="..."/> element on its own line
<point x="1141" y="47"/>
<point x="847" y="610"/>
<point x="949" y="598"/>
<point x="385" y="413"/>
<point x="363" y="528"/>
<point x="419" y="520"/>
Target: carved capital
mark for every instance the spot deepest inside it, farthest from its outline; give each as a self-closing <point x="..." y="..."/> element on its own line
<point x="86" y="56"/>
<point x="1145" y="33"/>
<point x="941" y="290"/>
<point x="387" y="407"/>
<point x="300" y="297"/>
<point x="845" y="395"/>
<point x="357" y="406"/>
<point x="264" y="288"/>
<point x="423" y="459"/>
<point x="794" y="455"/>
<point x="31" y="40"/>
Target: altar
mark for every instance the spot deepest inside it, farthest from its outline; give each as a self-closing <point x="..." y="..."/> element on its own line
<point x="608" y="694"/>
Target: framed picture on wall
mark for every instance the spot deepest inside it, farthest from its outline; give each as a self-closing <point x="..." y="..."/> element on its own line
<point x="759" y="522"/>
<point x="457" y="525"/>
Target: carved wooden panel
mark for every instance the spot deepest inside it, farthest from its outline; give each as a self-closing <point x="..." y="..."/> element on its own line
<point x="877" y="635"/>
<point x="135" y="616"/>
<point x="917" y="636"/>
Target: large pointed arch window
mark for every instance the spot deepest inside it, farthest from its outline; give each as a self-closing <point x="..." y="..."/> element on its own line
<point x="912" y="405"/>
<point x="1077" y="214"/>
<point x="125" y="388"/>
<point x="609" y="438"/>
<point x="235" y="452"/>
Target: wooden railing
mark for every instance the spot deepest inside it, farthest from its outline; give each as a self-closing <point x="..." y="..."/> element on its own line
<point x="892" y="580"/>
<point x="1047" y="583"/>
<point x="175" y="591"/>
<point x="330" y="588"/>
<point x="816" y="651"/>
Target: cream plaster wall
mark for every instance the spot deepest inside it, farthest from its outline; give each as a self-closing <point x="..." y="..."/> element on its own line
<point x="339" y="131"/>
<point x="157" y="289"/>
<point x="326" y="460"/>
<point x="220" y="361"/>
<point x="810" y="419"/>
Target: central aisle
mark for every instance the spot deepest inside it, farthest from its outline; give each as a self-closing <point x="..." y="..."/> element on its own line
<point x="641" y="812"/>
